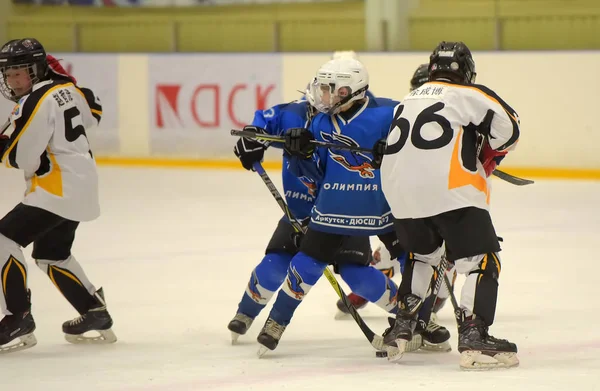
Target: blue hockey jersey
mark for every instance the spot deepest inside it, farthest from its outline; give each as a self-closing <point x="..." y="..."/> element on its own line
<point x="350" y="200"/>
<point x="300" y="192"/>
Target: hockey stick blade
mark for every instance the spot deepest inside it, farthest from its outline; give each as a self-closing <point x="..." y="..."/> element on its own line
<point x="281" y="139"/>
<point x="375" y="340"/>
<point x="512" y="179"/>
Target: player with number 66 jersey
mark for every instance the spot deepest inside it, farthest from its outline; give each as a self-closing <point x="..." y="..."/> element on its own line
<point x="445" y="140"/>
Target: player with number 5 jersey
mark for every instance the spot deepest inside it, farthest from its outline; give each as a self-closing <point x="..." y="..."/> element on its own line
<point x="46" y="139"/>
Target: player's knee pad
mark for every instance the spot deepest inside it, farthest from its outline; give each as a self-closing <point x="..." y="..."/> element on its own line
<point x="480" y="291"/>
<point x="416" y="277"/>
<point x="70" y="279"/>
<point x="478" y="264"/>
<point x="432" y="259"/>
<point x="383" y="261"/>
<point x="271" y="271"/>
<point x="490" y="266"/>
<point x="307" y="267"/>
<point x="303" y="273"/>
<point x="365" y="281"/>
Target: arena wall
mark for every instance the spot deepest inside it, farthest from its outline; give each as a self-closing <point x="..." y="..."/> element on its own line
<point x="178" y="109"/>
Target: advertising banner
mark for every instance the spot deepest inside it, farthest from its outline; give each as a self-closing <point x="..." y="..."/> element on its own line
<point x="195" y="100"/>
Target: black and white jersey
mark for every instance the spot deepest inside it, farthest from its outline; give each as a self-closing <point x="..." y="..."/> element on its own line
<point x="431" y="164"/>
<point x="48" y="142"/>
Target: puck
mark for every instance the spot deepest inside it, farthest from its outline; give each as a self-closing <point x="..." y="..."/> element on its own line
<point x="381" y="354"/>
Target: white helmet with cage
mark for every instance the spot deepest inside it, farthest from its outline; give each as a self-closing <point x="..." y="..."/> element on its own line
<point x="344" y="54"/>
<point x="338" y="83"/>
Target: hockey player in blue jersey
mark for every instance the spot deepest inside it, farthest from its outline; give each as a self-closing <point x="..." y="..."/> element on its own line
<point x="300" y="193"/>
<point x="349" y="201"/>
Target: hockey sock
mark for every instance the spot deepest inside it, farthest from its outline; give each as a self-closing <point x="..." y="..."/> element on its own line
<point x="303" y="273"/>
<point x="371" y="284"/>
<point x="13" y="275"/>
<point x="265" y="279"/>
<point x="71" y="281"/>
<point x="418" y="271"/>
<point x="480" y="291"/>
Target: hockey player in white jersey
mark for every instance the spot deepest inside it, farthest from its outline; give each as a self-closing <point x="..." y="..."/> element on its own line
<point x="436" y="182"/>
<point x="47" y="140"/>
<point x="381" y="256"/>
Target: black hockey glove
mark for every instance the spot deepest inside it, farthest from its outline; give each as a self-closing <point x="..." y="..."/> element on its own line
<point x="378" y="152"/>
<point x="298" y="142"/>
<point x="4" y="141"/>
<point x="250" y="151"/>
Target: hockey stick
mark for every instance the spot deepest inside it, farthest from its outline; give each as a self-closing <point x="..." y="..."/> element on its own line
<point x="455" y="306"/>
<point x="481" y="141"/>
<point x="375" y="340"/>
<point x="512" y="179"/>
<point x="280" y="139"/>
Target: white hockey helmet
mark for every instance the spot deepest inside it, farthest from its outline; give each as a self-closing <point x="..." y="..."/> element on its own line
<point x="344" y="54"/>
<point x="337" y="83"/>
<point x="308" y="94"/>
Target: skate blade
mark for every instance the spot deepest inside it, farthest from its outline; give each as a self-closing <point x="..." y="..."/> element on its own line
<point x="104" y="337"/>
<point x="24" y="342"/>
<point x="262" y="350"/>
<point x="443" y="347"/>
<point x="234" y="337"/>
<point x="474" y="360"/>
<point x="395" y="353"/>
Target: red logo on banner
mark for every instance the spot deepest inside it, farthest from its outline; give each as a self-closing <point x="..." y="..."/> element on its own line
<point x="169" y="106"/>
<point x="170" y="93"/>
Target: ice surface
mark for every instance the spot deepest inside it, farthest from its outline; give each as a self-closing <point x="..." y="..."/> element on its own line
<point x="174" y="249"/>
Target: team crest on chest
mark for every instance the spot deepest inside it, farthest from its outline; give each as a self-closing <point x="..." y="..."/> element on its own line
<point x="357" y="162"/>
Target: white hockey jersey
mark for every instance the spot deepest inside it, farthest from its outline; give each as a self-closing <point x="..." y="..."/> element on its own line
<point x="48" y="142"/>
<point x="431" y="164"/>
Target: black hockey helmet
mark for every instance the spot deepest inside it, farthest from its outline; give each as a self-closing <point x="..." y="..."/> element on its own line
<point x="22" y="53"/>
<point x="420" y="77"/>
<point x="452" y="60"/>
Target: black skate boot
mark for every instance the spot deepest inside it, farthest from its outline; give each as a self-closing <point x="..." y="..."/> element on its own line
<point x="239" y="325"/>
<point x="269" y="336"/>
<point x="18" y="326"/>
<point x="412" y="346"/>
<point x="435" y="337"/>
<point x="96" y="319"/>
<point x="357" y="301"/>
<point x="480" y="351"/>
<point x="397" y="337"/>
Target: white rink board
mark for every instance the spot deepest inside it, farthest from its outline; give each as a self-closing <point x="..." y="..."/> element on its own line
<point x="202" y="96"/>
